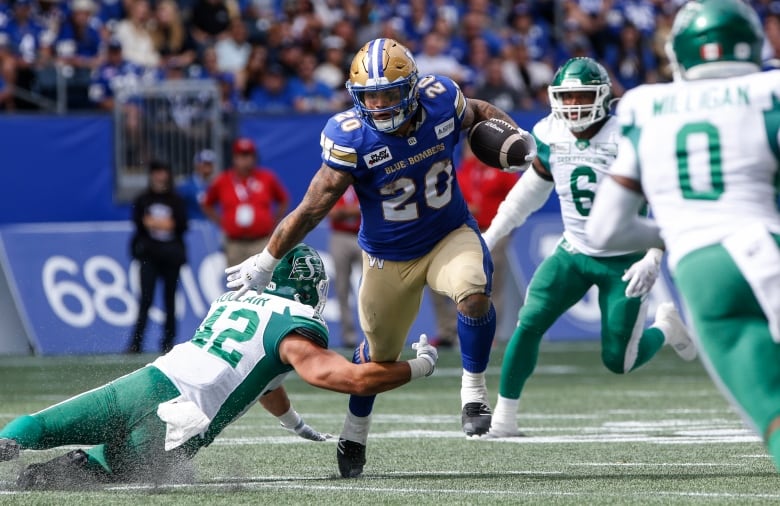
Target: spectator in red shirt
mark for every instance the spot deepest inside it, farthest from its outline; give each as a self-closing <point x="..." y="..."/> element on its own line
<point x="347" y="255"/>
<point x="251" y="201"/>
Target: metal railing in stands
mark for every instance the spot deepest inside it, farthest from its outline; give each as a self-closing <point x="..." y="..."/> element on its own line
<point x="170" y="121"/>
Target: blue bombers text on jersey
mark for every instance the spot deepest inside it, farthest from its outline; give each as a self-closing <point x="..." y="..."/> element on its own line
<point x="408" y="193"/>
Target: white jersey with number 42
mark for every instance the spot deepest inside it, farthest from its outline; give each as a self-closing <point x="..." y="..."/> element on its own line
<point x="706" y="153"/>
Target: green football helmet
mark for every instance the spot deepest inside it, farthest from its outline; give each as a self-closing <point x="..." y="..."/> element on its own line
<point x="715" y="38"/>
<point x="300" y="276"/>
<point x="581" y="74"/>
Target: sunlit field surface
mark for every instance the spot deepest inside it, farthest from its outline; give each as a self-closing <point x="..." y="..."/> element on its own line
<point x="661" y="435"/>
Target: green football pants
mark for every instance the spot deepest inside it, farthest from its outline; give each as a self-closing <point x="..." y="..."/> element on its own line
<point x="733" y="334"/>
<point x="120" y="418"/>
<point x="559" y="282"/>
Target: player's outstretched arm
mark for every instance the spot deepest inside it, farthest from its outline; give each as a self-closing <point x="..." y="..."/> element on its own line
<point x="327" y="369"/>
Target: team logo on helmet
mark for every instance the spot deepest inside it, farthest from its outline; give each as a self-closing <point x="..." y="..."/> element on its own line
<point x="306" y="268"/>
<point x="300" y="276"/>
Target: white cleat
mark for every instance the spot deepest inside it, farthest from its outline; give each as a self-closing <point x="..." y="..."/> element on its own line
<point x="668" y="320"/>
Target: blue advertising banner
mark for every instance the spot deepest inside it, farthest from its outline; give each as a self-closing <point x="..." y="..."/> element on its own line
<point x="76" y="288"/>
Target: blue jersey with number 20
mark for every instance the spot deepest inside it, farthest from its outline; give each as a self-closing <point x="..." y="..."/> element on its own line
<point x="409" y="197"/>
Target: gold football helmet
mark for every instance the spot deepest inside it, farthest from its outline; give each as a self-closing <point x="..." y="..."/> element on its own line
<point x="384" y="65"/>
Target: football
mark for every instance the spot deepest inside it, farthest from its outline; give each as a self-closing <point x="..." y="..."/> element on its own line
<point x="498" y="144"/>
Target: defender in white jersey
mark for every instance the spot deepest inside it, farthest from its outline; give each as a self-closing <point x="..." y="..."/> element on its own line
<point x="148" y="424"/>
<point x="705" y="151"/>
<point x="576" y="144"/>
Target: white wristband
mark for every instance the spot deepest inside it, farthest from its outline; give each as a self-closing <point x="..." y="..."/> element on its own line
<point x="265" y="261"/>
<point x="291" y="419"/>
<point x="420" y="367"/>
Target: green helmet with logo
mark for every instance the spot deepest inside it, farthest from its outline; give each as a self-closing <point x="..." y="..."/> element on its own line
<point x="580" y="74"/>
<point x="300" y="276"/>
<point x="715" y="38"/>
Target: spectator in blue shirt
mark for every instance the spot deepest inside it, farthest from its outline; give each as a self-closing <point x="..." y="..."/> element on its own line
<point x="24" y="38"/>
<point x="632" y="61"/>
<point x="273" y="95"/>
<point x="194" y="187"/>
<point x="114" y="75"/>
<point x="79" y="41"/>
<point x="533" y="33"/>
<point x="312" y="95"/>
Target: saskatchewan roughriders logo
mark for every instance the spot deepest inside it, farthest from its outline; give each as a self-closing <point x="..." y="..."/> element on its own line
<point x="305" y="268"/>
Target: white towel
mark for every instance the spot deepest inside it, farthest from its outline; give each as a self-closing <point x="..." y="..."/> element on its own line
<point x="183" y="420"/>
<point x="755" y="252"/>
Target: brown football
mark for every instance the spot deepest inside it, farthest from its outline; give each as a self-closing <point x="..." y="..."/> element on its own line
<point x="497" y="143"/>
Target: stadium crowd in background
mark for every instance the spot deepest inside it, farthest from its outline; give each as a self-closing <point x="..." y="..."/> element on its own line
<point x="291" y="55"/>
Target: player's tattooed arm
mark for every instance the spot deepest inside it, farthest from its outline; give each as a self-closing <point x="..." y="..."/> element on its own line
<point x="325" y="188"/>
<point x="479" y="110"/>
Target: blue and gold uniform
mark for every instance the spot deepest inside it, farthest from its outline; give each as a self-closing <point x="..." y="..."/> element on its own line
<point x="408" y="193"/>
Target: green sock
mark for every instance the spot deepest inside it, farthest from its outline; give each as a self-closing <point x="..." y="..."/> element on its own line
<point x="27" y="431"/>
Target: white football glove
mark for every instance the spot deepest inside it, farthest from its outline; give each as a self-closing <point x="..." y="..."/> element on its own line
<point x="254" y="273"/>
<point x="427" y="352"/>
<point x="642" y="274"/>
<point x="529" y="158"/>
<point x="306" y="431"/>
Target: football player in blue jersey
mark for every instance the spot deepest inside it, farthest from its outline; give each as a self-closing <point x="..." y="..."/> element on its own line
<point x="395" y="146"/>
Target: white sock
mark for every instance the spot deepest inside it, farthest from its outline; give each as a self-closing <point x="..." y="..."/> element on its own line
<point x="506" y="412"/>
<point x="473" y="388"/>
<point x="356" y="428"/>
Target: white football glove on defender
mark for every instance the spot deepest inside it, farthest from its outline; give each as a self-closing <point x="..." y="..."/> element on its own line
<point x="642" y="274"/>
<point x="427" y="355"/>
<point x="530" y="141"/>
<point x="306" y="431"/>
<point x="292" y="421"/>
<point x="254" y="273"/>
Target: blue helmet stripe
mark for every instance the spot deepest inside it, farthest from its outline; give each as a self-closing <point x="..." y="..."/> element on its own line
<point x="375" y="51"/>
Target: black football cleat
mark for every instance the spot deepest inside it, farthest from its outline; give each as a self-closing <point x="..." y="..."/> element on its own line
<point x="351" y="457"/>
<point x="475" y="418"/>
<point x="9" y="449"/>
<point x="67" y="472"/>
